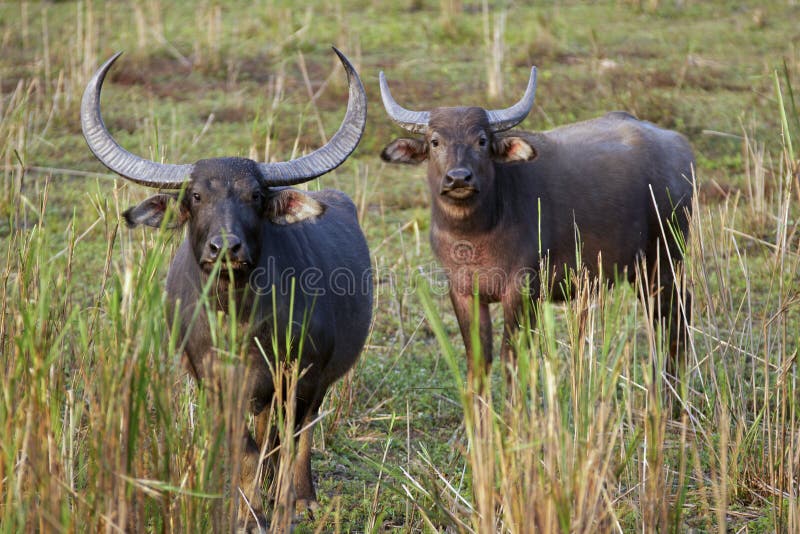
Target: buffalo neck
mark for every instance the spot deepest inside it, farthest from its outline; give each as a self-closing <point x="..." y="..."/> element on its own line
<point x="225" y="293"/>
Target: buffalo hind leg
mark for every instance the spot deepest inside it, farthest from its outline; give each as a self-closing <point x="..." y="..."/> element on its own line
<point x="671" y="305"/>
<point x="666" y="267"/>
<point x="672" y="316"/>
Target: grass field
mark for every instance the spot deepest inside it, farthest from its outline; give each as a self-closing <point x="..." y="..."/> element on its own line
<point x="101" y="428"/>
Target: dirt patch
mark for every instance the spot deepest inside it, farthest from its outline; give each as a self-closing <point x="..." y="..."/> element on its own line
<point x="258" y="68"/>
<point x="235" y="114"/>
<point x="713" y="79"/>
<point x="164" y="77"/>
<point x="706" y="78"/>
<point x="144" y="70"/>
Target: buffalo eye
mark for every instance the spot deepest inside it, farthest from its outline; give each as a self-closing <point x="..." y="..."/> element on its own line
<point x="196" y="198"/>
<point x="256" y="197"/>
<point x="434" y="142"/>
<point x="482" y="140"/>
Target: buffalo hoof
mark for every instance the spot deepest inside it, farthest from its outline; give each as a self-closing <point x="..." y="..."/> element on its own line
<point x="253" y="525"/>
<point x="305" y="508"/>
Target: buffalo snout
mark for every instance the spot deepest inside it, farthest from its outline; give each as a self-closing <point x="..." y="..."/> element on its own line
<point x="229" y="247"/>
<point x="457" y="178"/>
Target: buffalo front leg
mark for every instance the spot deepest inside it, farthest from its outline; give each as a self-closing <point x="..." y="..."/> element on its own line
<point x="512" y="315"/>
<point x="464" y="306"/>
<point x="251" y="512"/>
<point x="303" y="480"/>
<point x="247" y="474"/>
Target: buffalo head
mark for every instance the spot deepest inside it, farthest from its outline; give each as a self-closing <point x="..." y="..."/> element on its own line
<point x="461" y="146"/>
<point x="225" y="201"/>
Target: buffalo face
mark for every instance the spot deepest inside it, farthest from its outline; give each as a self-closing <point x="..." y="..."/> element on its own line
<point x="459" y="163"/>
<point x="225" y="205"/>
<point x="461" y="147"/>
<point x="461" y="150"/>
<point x="225" y="202"/>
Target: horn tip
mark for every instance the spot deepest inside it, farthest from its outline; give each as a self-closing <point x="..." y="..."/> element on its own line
<point x="115" y="57"/>
<point x="348" y="67"/>
<point x="104" y="68"/>
<point x="341" y="55"/>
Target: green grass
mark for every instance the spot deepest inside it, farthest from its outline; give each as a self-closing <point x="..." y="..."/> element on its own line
<point x="100" y="426"/>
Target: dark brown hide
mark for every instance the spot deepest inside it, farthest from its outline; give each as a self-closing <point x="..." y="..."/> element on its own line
<point x="241" y="216"/>
<point x="501" y="203"/>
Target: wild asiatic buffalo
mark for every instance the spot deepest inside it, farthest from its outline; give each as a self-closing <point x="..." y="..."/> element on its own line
<point x="241" y="215"/>
<point x="615" y="185"/>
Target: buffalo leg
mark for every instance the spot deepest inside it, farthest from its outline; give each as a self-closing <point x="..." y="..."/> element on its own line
<point x="512" y="309"/>
<point x="267" y="441"/>
<point x="303" y="481"/>
<point x="670" y="313"/>
<point x="665" y="288"/>
<point x="667" y="292"/>
<point x="463" y="306"/>
<point x="248" y="475"/>
<point x="251" y="477"/>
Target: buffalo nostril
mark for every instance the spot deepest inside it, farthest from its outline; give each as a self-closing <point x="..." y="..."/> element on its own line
<point x="213" y="250"/>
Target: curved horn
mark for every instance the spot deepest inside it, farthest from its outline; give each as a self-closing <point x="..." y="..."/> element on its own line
<point x="107" y="150"/>
<point x="503" y="119"/>
<point x="335" y="151"/>
<point x="413" y="121"/>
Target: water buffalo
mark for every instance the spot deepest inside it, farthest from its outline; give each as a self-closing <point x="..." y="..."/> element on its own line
<point x="242" y="215"/>
<point x="503" y="202"/>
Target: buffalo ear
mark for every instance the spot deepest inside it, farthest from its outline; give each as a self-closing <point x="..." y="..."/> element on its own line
<point x="290" y="206"/>
<point x="405" y="150"/>
<point x="152" y="211"/>
<point x="510" y="149"/>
